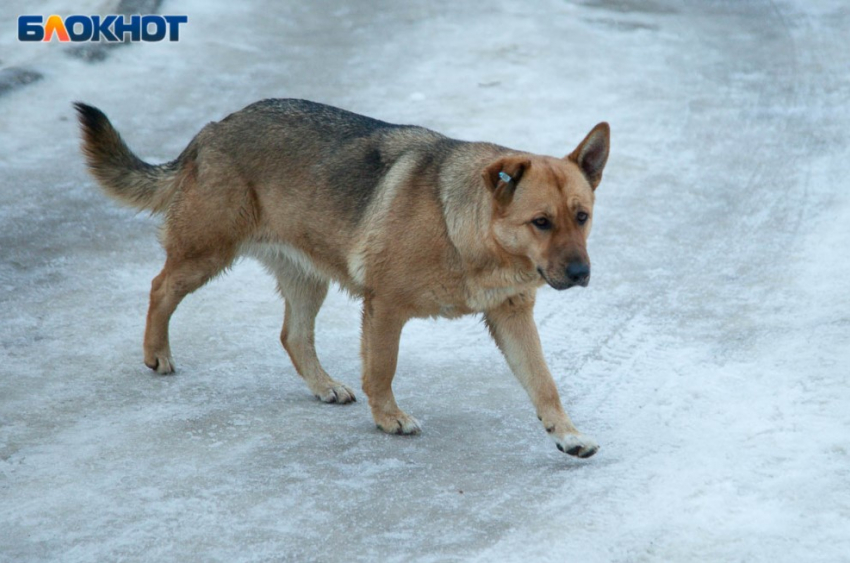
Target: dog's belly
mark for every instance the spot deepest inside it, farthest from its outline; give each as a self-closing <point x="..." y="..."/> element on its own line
<point x="282" y="258"/>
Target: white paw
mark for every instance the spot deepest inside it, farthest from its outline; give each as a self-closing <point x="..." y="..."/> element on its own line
<point x="163" y="364"/>
<point x="336" y="393"/>
<point x="577" y="445"/>
<point x="398" y="423"/>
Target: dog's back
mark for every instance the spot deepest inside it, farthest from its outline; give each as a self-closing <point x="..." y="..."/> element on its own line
<point x="271" y="141"/>
<point x="340" y="156"/>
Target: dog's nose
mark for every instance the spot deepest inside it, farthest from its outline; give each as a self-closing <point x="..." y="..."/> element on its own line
<point x="578" y="273"/>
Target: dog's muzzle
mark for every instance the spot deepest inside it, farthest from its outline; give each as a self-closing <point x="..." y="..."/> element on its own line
<point x="576" y="273"/>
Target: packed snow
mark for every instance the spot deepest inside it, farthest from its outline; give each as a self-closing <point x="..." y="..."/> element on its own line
<point x="709" y="356"/>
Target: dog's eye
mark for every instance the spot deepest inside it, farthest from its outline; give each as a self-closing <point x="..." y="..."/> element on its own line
<point x="542" y="223"/>
<point x="581" y="217"/>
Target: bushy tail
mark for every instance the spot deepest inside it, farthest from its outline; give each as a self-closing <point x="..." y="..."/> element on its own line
<point x="121" y="173"/>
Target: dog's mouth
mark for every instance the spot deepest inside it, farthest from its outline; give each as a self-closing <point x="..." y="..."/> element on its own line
<point x="560" y="285"/>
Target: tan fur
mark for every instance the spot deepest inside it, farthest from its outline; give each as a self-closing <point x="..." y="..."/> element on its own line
<point x="432" y="241"/>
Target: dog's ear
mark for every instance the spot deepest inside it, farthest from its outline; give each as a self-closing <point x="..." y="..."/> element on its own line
<point x="592" y="153"/>
<point x="502" y="177"/>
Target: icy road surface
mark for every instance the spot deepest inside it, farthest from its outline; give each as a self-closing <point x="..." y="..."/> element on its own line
<point x="709" y="357"/>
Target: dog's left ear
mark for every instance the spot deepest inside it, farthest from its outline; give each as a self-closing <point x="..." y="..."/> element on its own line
<point x="592" y="153"/>
<point x="502" y="177"/>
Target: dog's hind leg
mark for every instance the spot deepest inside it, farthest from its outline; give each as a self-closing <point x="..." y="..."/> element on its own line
<point x="304" y="294"/>
<point x="180" y="277"/>
<point x="204" y="223"/>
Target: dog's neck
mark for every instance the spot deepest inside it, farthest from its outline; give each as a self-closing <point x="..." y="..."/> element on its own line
<point x="468" y="212"/>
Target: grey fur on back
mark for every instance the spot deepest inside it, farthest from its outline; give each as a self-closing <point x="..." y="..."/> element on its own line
<point x="345" y="154"/>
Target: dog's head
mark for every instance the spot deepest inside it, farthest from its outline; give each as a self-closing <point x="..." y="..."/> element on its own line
<point x="543" y="207"/>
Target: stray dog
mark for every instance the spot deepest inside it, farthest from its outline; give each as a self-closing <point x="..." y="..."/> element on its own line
<point x="414" y="223"/>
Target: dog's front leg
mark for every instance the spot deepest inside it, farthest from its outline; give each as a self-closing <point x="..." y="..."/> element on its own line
<point x="513" y="329"/>
<point x="381" y="334"/>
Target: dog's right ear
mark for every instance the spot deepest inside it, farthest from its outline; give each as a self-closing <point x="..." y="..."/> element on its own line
<point x="502" y="177"/>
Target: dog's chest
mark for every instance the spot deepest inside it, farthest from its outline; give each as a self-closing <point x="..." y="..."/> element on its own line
<point x="470" y="297"/>
<point x="483" y="299"/>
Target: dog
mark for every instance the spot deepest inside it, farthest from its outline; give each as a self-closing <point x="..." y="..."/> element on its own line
<point x="414" y="223"/>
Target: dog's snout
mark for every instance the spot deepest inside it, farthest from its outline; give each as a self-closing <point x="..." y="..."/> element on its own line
<point x="578" y="273"/>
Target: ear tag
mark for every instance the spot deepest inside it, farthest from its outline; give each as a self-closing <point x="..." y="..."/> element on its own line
<point x="505" y="178"/>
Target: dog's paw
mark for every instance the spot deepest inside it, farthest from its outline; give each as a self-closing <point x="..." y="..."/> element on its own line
<point x="576" y="445"/>
<point x="398" y="423"/>
<point x="336" y="393"/>
<point x="163" y="364"/>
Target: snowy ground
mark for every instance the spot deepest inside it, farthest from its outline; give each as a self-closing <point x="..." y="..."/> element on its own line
<point x="710" y="356"/>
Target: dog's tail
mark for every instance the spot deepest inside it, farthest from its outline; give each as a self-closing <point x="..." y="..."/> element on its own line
<point x="120" y="172"/>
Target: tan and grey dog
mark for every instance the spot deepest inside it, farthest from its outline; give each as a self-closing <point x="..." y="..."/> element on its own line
<point x="414" y="223"/>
